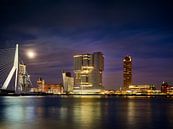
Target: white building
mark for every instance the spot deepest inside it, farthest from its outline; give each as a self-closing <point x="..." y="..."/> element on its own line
<point x="68" y="82"/>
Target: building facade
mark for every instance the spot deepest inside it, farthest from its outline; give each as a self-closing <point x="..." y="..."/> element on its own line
<point x="146" y="89"/>
<point x="43" y="87"/>
<point x="142" y="87"/>
<point x="40" y="85"/>
<point x="88" y="70"/>
<point x="24" y="83"/>
<point x="127" y="71"/>
<point x="68" y="82"/>
<point x="167" y="87"/>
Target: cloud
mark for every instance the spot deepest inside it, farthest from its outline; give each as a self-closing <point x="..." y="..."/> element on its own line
<point x="57" y="30"/>
<point x="56" y="53"/>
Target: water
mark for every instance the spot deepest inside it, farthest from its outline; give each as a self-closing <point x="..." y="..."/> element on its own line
<point x="87" y="112"/>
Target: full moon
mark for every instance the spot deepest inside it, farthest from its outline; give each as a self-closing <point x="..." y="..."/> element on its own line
<point x="31" y="54"/>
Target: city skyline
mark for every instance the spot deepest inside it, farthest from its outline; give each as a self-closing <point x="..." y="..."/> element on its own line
<point x="57" y="30"/>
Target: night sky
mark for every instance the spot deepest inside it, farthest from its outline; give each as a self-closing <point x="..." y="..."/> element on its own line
<point x="58" y="29"/>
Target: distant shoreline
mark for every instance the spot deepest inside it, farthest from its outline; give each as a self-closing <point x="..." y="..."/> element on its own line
<point x="103" y="95"/>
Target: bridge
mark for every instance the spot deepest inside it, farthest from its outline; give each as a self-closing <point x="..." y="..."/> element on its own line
<point x="13" y="74"/>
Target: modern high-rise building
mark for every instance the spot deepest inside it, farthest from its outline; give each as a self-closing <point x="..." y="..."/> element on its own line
<point x="127" y="71"/>
<point x="68" y="82"/>
<point x="24" y="79"/>
<point x="88" y="69"/>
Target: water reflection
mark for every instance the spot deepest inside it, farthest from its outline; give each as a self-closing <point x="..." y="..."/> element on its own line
<point x="85" y="112"/>
<point x="139" y="113"/>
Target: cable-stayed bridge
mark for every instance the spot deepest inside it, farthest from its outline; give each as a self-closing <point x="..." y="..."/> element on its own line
<point x="13" y="74"/>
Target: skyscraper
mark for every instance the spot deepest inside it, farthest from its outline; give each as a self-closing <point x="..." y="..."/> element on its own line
<point x="88" y="70"/>
<point x="127" y="71"/>
<point x="24" y="83"/>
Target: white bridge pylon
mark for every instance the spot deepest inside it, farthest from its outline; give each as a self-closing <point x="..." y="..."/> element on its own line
<point x="13" y="71"/>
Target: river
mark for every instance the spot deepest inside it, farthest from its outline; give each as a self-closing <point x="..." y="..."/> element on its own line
<point x="85" y="112"/>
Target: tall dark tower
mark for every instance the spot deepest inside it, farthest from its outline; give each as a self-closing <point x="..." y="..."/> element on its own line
<point x="127" y="71"/>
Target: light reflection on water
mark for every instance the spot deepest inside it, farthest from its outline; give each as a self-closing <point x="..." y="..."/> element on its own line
<point x="87" y="112"/>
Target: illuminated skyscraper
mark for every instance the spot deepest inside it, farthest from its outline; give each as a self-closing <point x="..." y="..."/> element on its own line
<point x="127" y="71"/>
<point x="88" y="70"/>
<point x="24" y="79"/>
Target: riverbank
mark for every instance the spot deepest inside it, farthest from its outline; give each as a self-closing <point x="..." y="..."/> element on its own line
<point x="50" y="94"/>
